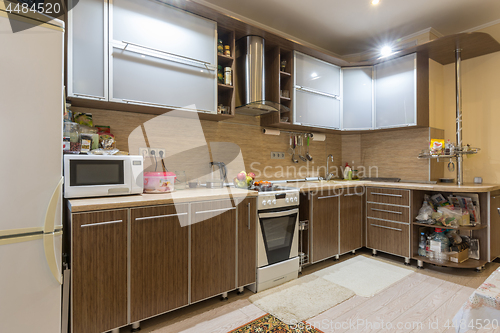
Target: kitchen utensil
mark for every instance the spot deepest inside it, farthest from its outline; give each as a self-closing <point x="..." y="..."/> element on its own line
<point x="301" y="145"/>
<point x="292" y="147"/>
<point x="451" y="166"/>
<point x="308" y="156"/>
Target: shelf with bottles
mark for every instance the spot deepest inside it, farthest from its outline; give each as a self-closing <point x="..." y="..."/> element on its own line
<point x="225" y="71"/>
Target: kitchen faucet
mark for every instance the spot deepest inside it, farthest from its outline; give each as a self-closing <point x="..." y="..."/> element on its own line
<point x="328" y="174"/>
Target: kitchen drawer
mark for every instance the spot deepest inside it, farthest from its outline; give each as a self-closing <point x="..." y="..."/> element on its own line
<point x="388" y="212"/>
<point x="388" y="237"/>
<point x="388" y="196"/>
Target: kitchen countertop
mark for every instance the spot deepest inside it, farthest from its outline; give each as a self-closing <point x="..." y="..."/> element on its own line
<point x="318" y="186"/>
<point x="141" y="200"/>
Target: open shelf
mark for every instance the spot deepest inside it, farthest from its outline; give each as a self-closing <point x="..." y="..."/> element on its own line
<point x="224" y="87"/>
<point x="478" y="227"/>
<point x="469" y="263"/>
<point x="225" y="92"/>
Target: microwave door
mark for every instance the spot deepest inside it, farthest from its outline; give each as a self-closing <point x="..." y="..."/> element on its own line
<point x="96" y="177"/>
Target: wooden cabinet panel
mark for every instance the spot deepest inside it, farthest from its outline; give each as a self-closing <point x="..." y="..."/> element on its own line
<point x="494" y="225"/>
<point x="325" y="226"/>
<point x="389" y="212"/>
<point x="247" y="242"/>
<point x="213" y="249"/>
<point x="388" y="196"/>
<point x="99" y="271"/>
<point x="351" y="222"/>
<point x="159" y="260"/>
<point x="389" y="237"/>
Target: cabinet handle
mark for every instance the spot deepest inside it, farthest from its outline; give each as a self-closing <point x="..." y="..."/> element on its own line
<point x="388" y="194"/>
<point x="130" y="101"/>
<point x="91" y="96"/>
<point x="498" y="209"/>
<point x="329" y="196"/>
<point x="249" y="213"/>
<point x="208" y="65"/>
<point x="317" y="126"/>
<point x="317" y="92"/>
<point x="381" y="226"/>
<point x="350" y="194"/>
<point x="159" y="216"/>
<point x="386" y="211"/>
<point x="101" y="223"/>
<point x="215" y="210"/>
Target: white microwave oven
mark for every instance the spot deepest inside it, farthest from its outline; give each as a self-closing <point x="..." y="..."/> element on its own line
<point x="102" y="175"/>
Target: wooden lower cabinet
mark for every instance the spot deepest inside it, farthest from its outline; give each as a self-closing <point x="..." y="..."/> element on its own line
<point x="247" y="241"/>
<point x="390" y="237"/>
<point x="325" y="226"/>
<point x="213" y="249"/>
<point x="99" y="271"/>
<point x="351" y="221"/>
<point x="159" y="260"/>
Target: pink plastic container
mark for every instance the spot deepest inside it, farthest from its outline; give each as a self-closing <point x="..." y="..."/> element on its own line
<point x="159" y="182"/>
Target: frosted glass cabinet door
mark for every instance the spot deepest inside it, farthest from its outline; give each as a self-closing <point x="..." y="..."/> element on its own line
<point x="146" y="79"/>
<point x="395" y="92"/>
<point x="316" y="110"/>
<point x="158" y="26"/>
<point x="316" y="74"/>
<point x="87" y="58"/>
<point x="357" y="107"/>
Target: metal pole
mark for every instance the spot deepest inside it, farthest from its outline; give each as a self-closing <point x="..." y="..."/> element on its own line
<point x="458" y="90"/>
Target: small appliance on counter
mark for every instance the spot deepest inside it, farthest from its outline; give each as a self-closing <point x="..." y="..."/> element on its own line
<point x="102" y="175"/>
<point x="159" y="182"/>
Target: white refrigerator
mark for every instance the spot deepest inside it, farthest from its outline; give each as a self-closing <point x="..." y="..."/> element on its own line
<point x="31" y="104"/>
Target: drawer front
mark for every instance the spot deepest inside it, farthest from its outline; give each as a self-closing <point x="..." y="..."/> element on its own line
<point x="388" y="212"/>
<point x="388" y="237"/>
<point x="388" y="196"/>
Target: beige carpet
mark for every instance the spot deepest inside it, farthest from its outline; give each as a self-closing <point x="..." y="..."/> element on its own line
<point x="301" y="299"/>
<point x="363" y="275"/>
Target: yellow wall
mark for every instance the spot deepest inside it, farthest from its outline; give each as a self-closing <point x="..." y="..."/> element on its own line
<point x="481" y="110"/>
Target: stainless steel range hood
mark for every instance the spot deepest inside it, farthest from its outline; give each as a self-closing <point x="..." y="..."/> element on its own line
<point x="250" y="78"/>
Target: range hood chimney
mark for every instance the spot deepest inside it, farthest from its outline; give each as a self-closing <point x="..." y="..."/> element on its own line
<point x="250" y="78"/>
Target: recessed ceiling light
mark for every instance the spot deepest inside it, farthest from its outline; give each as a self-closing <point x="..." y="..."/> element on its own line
<point x="314" y="75"/>
<point x="386" y="50"/>
<point x="375" y="2"/>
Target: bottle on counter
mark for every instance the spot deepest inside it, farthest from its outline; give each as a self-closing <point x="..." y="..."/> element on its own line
<point x="347" y="172"/>
<point x="228" y="76"/>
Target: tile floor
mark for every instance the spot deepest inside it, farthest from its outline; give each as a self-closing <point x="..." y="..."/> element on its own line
<point x="421" y="302"/>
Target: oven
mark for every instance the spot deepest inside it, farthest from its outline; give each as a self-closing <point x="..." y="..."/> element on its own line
<point x="278" y="232"/>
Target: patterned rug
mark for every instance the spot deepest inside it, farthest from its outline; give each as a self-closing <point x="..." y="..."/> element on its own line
<point x="270" y="324"/>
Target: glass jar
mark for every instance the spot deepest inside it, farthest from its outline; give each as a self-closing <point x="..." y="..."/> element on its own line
<point x="71" y="138"/>
<point x="220" y="74"/>
<point x="220" y="47"/>
<point x="227" y="50"/>
<point x="180" y="181"/>
<point x="228" y="76"/>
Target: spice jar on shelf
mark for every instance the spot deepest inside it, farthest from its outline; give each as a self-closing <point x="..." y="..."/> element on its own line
<point x="228" y="76"/>
<point x="227" y="50"/>
<point x="220" y="47"/>
<point x="220" y="74"/>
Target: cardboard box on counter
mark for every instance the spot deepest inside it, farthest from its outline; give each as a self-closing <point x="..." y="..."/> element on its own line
<point x="458" y="257"/>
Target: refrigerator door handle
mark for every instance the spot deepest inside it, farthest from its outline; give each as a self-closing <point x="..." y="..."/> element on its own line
<point x="50" y="214"/>
<point x="50" y="255"/>
<point x="48" y="233"/>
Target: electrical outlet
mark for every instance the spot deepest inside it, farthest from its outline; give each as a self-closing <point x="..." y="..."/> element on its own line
<point x="276" y="155"/>
<point x="151" y="152"/>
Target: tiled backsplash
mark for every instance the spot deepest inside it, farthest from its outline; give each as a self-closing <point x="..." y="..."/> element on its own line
<point x="191" y="144"/>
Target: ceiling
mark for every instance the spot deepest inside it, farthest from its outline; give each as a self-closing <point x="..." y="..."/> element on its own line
<point x="354" y="26"/>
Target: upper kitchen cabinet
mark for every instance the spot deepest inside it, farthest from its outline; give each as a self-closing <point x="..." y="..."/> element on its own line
<point x="161" y="56"/>
<point x="316" y="92"/>
<point x="87" y="50"/>
<point x="357" y="98"/>
<point x="396" y="92"/>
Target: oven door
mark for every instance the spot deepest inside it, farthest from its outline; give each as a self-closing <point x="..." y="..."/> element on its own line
<point x="277" y="236"/>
